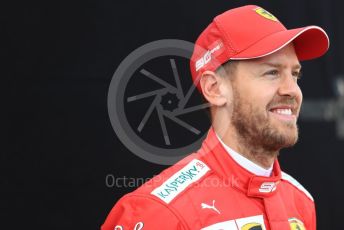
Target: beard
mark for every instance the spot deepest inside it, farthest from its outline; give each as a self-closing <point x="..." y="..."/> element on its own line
<point x="255" y="128"/>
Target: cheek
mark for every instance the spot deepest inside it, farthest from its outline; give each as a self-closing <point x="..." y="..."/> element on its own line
<point x="255" y="95"/>
<point x="227" y="91"/>
<point x="299" y="96"/>
<point x="262" y="97"/>
<point x="257" y="102"/>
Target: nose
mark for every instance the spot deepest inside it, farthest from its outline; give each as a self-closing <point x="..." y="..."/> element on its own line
<point x="290" y="88"/>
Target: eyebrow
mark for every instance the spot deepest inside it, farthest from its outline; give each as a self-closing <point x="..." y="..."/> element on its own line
<point x="276" y="65"/>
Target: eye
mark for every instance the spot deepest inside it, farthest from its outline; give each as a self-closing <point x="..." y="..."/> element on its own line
<point x="297" y="74"/>
<point x="273" y="72"/>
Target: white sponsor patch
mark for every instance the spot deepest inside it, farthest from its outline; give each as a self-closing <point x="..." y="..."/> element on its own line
<point x="245" y="223"/>
<point x="177" y="183"/>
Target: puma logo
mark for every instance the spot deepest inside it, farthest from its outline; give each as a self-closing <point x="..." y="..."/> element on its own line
<point x="204" y="206"/>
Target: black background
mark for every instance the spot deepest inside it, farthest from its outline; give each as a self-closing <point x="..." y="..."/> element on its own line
<point x="60" y="146"/>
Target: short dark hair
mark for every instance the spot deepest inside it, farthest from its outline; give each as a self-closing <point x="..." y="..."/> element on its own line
<point x="228" y="68"/>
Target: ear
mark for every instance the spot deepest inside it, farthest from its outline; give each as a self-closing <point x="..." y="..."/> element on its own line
<point x="213" y="88"/>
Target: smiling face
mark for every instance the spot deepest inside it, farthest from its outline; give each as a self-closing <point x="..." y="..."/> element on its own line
<point x="266" y="100"/>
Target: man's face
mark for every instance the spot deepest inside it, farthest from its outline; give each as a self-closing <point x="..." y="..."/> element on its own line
<point x="267" y="100"/>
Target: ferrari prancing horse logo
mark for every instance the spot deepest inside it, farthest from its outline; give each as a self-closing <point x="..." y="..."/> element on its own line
<point x="265" y="14"/>
<point x="296" y="224"/>
<point x="252" y="226"/>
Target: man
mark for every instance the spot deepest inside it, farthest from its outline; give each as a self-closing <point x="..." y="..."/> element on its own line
<point x="246" y="64"/>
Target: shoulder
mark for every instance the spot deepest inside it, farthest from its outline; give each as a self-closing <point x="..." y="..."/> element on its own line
<point x="292" y="181"/>
<point x="153" y="202"/>
<point x="135" y="211"/>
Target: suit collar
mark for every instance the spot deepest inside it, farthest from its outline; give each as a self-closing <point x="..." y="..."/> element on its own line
<point x="216" y="156"/>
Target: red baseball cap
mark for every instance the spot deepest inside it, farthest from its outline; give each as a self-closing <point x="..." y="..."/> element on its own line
<point x="251" y="32"/>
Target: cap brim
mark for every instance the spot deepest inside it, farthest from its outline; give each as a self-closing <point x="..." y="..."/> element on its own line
<point x="309" y="42"/>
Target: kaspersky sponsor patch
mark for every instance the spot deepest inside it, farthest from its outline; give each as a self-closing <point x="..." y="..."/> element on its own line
<point x="177" y="183"/>
<point x="246" y="223"/>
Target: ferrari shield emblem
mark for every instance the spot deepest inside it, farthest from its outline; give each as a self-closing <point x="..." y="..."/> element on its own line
<point x="265" y="14"/>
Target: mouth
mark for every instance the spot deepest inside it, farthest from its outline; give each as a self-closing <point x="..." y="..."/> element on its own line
<point x="284" y="113"/>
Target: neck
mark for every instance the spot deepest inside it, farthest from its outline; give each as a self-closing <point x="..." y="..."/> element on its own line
<point x="256" y="154"/>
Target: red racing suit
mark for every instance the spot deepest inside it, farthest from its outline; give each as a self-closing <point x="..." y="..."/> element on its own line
<point x="209" y="190"/>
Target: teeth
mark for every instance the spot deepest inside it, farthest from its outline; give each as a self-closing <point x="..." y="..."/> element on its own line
<point x="283" y="111"/>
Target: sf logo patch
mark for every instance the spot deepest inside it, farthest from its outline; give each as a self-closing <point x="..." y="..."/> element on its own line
<point x="265" y="14"/>
<point x="296" y="224"/>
